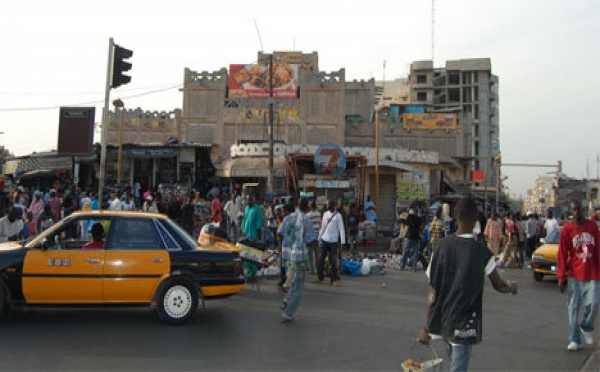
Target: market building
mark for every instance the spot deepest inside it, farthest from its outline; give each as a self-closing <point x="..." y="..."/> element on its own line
<point x="408" y="140"/>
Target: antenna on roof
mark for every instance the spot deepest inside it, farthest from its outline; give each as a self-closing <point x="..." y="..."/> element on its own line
<point x="258" y="32"/>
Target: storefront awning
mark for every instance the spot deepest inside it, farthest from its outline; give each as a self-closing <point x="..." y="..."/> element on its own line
<point x="24" y="164"/>
<point x="390" y="164"/>
<point x="251" y="167"/>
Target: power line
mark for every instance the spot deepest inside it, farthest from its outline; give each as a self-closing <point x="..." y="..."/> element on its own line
<point x="43" y="108"/>
<point x="38" y="93"/>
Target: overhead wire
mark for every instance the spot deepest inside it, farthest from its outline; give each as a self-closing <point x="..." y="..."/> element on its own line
<point x="42" y="108"/>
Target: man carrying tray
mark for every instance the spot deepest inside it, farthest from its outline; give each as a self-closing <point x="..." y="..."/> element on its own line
<point x="456" y="272"/>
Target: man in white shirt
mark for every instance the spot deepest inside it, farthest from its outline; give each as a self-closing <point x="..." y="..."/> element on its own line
<point x="332" y="230"/>
<point x="551" y="224"/>
<point x="115" y="202"/>
<point x="11" y="225"/>
<point x="531" y="227"/>
<point x="232" y="212"/>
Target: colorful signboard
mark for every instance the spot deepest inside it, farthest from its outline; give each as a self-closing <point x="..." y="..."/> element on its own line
<point x="330" y="159"/>
<point x="252" y="81"/>
<point x="429" y="121"/>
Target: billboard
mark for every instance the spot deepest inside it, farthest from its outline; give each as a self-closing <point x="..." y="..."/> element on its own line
<point x="429" y="122"/>
<point x="252" y="81"/>
<point x="76" y="130"/>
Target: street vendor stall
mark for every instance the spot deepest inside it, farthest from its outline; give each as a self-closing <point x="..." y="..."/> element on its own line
<point x="329" y="174"/>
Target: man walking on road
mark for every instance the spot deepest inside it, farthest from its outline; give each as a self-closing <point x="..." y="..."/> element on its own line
<point x="332" y="229"/>
<point x="296" y="230"/>
<point x="578" y="257"/>
<point x="531" y="230"/>
<point x="456" y="274"/>
<point x="413" y="240"/>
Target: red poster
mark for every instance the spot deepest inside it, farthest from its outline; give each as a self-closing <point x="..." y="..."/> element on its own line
<point x="478" y="176"/>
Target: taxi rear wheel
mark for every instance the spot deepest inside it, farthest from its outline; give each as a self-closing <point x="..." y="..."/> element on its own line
<point x="177" y="301"/>
<point x="538" y="276"/>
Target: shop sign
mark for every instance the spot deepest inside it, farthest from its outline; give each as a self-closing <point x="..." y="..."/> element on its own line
<point x="330" y="159"/>
<point x="331" y="184"/>
<point x="149" y="153"/>
<point x="445" y="122"/>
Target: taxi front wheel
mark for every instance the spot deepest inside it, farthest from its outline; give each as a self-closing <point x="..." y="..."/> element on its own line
<point x="177" y="301"/>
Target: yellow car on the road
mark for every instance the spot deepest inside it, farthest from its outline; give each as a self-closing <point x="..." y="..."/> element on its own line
<point x="144" y="259"/>
<point x="543" y="259"/>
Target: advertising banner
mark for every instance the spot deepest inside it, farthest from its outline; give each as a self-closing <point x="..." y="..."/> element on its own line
<point x="429" y="121"/>
<point x="252" y="81"/>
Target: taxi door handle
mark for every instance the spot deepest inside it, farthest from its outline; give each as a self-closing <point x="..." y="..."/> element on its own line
<point x="93" y="260"/>
<point x="158" y="260"/>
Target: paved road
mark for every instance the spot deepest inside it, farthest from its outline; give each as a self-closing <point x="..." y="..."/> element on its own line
<point x="358" y="326"/>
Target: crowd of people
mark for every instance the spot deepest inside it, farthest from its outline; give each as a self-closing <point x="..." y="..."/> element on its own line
<point x="512" y="238"/>
<point x="30" y="212"/>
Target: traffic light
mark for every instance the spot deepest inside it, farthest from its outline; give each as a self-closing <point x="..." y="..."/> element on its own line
<point x="120" y="66"/>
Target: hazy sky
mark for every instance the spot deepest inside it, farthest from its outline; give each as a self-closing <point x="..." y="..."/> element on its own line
<point x="545" y="52"/>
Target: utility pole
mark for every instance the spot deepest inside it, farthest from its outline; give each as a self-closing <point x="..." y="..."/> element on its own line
<point x="270" y="186"/>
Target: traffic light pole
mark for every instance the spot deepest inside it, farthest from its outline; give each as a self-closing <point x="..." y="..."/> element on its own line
<point x="104" y="133"/>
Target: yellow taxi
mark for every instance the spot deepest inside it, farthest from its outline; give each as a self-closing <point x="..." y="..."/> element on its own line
<point x="543" y="259"/>
<point x="139" y="259"/>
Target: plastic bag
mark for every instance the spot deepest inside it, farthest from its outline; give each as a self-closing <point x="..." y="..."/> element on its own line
<point x="352" y="268"/>
<point x="365" y="267"/>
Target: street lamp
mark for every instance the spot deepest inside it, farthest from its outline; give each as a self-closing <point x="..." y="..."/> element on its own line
<point x="120" y="105"/>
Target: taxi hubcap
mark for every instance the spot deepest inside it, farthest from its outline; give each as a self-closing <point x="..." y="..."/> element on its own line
<point x="178" y="301"/>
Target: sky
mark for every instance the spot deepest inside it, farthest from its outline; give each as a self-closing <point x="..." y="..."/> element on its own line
<point x="546" y="54"/>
